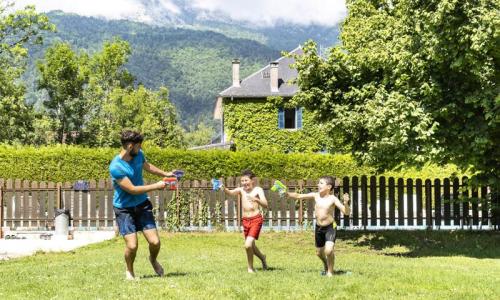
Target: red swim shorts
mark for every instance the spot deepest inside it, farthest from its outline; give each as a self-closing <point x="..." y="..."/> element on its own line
<point x="252" y="226"/>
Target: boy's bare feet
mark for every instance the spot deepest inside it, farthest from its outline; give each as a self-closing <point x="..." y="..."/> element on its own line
<point x="157" y="267"/>
<point x="328" y="274"/>
<point x="251" y="271"/>
<point x="129" y="275"/>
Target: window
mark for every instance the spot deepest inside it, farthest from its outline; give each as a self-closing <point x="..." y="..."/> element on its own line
<point x="290" y="118"/>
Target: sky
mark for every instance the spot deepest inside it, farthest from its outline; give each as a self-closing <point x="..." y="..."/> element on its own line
<point x="259" y="12"/>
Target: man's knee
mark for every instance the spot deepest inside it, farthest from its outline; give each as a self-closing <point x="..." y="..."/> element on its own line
<point x="319" y="252"/>
<point x="155" y="243"/>
<point x="132" y="247"/>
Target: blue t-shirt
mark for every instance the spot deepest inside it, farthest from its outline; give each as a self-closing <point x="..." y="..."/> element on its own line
<point x="119" y="169"/>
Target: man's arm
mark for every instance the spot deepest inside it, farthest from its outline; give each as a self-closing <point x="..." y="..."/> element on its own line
<point x="156" y="171"/>
<point x="344" y="208"/>
<point x="130" y="188"/>
<point x="308" y="196"/>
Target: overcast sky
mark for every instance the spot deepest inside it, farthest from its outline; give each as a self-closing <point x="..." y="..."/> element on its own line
<point x="262" y="12"/>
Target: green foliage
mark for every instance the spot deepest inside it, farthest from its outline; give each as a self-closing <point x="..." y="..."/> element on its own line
<point x="94" y="96"/>
<point x="17" y="30"/>
<point x="62" y="76"/>
<point x="195" y="65"/>
<point x="252" y="124"/>
<point x="414" y="81"/>
<point x="70" y="163"/>
<point x="199" y="135"/>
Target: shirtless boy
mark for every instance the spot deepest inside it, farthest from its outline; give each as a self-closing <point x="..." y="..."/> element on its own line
<point x="326" y="227"/>
<point x="251" y="198"/>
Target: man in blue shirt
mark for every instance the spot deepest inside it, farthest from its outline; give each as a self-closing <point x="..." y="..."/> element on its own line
<point x="133" y="210"/>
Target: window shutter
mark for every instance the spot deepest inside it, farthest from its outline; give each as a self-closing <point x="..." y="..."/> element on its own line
<point x="281" y="118"/>
<point x="298" y="115"/>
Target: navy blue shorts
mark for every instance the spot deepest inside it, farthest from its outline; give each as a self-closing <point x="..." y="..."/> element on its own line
<point x="134" y="219"/>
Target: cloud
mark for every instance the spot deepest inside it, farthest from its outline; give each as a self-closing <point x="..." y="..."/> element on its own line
<point x="109" y="9"/>
<point x="268" y="12"/>
<point x="258" y="12"/>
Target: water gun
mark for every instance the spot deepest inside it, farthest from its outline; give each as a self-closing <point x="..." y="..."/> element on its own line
<point x="279" y="187"/>
<point x="170" y="183"/>
<point x="217" y="184"/>
<point x="178" y="174"/>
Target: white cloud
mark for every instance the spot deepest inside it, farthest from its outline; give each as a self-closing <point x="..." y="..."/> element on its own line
<point x="259" y="12"/>
<point x="268" y="12"/>
<point x="110" y="9"/>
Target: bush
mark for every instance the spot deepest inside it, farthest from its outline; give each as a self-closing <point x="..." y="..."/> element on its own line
<point x="70" y="163"/>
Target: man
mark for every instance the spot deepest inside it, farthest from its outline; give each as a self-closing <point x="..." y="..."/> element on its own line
<point x="133" y="210"/>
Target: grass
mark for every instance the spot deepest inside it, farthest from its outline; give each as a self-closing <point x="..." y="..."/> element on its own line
<point x="370" y="265"/>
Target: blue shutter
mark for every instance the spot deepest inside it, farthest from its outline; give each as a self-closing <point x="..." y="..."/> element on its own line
<point x="281" y="118"/>
<point x="298" y="115"/>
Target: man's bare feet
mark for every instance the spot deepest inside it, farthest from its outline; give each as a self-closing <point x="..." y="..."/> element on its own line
<point x="251" y="271"/>
<point x="157" y="267"/>
<point x="328" y="274"/>
<point x="264" y="263"/>
<point x="129" y="275"/>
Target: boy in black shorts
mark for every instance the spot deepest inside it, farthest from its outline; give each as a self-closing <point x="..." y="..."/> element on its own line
<point x="326" y="228"/>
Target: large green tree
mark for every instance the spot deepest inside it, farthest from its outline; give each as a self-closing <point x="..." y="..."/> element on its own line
<point x="95" y="97"/>
<point x="18" y="29"/>
<point x="147" y="111"/>
<point x="413" y="81"/>
<point x="63" y="75"/>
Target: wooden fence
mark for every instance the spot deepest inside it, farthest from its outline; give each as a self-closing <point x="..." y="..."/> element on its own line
<point x="376" y="202"/>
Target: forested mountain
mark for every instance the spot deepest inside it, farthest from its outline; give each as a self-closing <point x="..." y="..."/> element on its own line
<point x="192" y="61"/>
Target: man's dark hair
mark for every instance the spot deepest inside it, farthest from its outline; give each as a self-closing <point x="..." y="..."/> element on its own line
<point x="130" y="136"/>
<point x="248" y="173"/>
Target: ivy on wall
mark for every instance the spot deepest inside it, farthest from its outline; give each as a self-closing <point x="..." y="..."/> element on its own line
<point x="252" y="124"/>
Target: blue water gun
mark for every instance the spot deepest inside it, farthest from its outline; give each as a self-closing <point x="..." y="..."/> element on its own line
<point x="178" y="174"/>
<point x="279" y="187"/>
<point x="217" y="184"/>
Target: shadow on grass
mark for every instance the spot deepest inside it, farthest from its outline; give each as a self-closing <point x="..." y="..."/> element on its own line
<point x="484" y="244"/>
<point x="321" y="273"/>
<point x="270" y="269"/>
<point x="171" y="274"/>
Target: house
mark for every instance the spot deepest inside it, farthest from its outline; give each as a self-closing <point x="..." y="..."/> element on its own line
<point x="256" y="114"/>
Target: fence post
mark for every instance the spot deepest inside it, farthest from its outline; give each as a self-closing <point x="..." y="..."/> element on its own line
<point x="59" y="196"/>
<point x="1" y="212"/>
<point x="177" y="202"/>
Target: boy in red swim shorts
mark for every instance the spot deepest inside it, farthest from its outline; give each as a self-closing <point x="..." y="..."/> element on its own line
<point x="251" y="198"/>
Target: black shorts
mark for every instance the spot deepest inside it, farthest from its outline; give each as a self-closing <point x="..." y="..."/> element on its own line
<point x="324" y="234"/>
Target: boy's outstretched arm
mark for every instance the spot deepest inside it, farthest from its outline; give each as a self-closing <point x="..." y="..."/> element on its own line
<point x="344" y="208"/>
<point x="308" y="196"/>
<point x="233" y="192"/>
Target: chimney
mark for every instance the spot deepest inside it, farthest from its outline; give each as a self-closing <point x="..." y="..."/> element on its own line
<point x="273" y="74"/>
<point x="236" y="72"/>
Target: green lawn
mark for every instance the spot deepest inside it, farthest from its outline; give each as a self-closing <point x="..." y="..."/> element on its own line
<point x="370" y="265"/>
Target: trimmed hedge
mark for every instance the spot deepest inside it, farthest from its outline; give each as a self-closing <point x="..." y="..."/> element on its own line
<point x="70" y="163"/>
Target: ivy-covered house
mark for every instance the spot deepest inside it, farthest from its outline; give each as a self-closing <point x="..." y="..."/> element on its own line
<point x="256" y="113"/>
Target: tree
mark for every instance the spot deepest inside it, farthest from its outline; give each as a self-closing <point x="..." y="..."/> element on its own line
<point x="63" y="75"/>
<point x="412" y="82"/>
<point x="149" y="112"/>
<point x="17" y="29"/>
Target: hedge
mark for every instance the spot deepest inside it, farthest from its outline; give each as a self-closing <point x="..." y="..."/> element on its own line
<point x="70" y="163"/>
